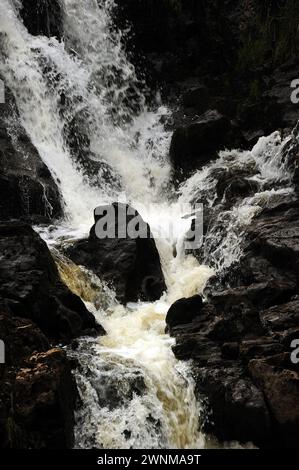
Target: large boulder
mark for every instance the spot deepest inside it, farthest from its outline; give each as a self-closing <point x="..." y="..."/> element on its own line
<point x="30" y="286"/>
<point x="194" y="145"/>
<point x="27" y="188"/>
<point x="184" y="311"/>
<point x="131" y="265"/>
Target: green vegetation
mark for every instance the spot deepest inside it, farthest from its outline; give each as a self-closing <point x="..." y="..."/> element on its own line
<point x="274" y="36"/>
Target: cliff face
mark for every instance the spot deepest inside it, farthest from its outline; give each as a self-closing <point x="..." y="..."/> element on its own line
<point x="245" y="52"/>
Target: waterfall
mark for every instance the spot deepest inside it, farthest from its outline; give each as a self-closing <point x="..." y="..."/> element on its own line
<point x="134" y="392"/>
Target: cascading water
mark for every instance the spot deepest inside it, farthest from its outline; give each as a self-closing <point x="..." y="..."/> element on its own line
<point x="134" y="392"/>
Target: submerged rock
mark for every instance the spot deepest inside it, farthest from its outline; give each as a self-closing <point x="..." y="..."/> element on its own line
<point x="131" y="265"/>
<point x="30" y="286"/>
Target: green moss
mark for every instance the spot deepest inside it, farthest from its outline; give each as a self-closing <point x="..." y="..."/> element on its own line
<point x="273" y="38"/>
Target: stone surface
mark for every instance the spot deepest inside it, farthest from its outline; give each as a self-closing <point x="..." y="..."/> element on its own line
<point x="184" y="311"/>
<point x="194" y="145"/>
<point x="280" y="387"/>
<point x="27" y="188"/>
<point x="131" y="265"/>
<point x="45" y="394"/>
<point x="30" y="286"/>
<point x="240" y="343"/>
<point x="37" y="391"/>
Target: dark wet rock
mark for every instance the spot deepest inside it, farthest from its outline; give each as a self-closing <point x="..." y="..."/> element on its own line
<point x="96" y="170"/>
<point x="116" y="388"/>
<point x="236" y="407"/>
<point x="184" y="311"/>
<point x="280" y="93"/>
<point x="230" y="350"/>
<point x="187" y="45"/>
<point x="197" y="97"/>
<point x="267" y="273"/>
<point x="276" y="234"/>
<point x="43" y="17"/>
<point x="240" y="343"/>
<point x="30" y="286"/>
<point x="281" y="317"/>
<point x="280" y="387"/>
<point x="131" y="265"/>
<point x="260" y="347"/>
<point x="37" y="392"/>
<point x="21" y="338"/>
<point x="195" y="145"/>
<point x="232" y="187"/>
<point x="45" y="396"/>
<point x="27" y="188"/>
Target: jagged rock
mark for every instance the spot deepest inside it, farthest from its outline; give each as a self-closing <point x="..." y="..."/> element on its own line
<point x="232" y="187"/>
<point x="281" y="389"/>
<point x="30" y="286"/>
<point x="131" y="265"/>
<point x="44" y="400"/>
<point x="237" y="410"/>
<point x="37" y="392"/>
<point x="184" y="311"/>
<point x="260" y="347"/>
<point x="281" y="317"/>
<point x="27" y="188"/>
<point x="194" y="145"/>
<point x="250" y="319"/>
<point x="21" y="338"/>
<point x="43" y="17"/>
<point x="276" y="233"/>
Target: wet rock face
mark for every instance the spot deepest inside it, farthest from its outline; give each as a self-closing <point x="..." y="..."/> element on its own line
<point x="44" y="391"/>
<point x="27" y="188"/>
<point x="131" y="265"/>
<point x="225" y="55"/>
<point x="30" y="286"/>
<point x="280" y="386"/>
<point x="43" y="17"/>
<point x="194" y="145"/>
<point x="38" y="382"/>
<point x="184" y="311"/>
<point x="240" y="342"/>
